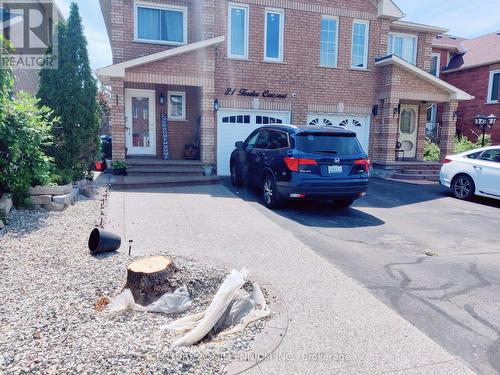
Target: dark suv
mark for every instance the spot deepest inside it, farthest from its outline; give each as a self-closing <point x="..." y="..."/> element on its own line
<point x="302" y="162"/>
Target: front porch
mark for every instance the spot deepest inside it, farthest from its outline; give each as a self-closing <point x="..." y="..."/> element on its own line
<point x="399" y="128"/>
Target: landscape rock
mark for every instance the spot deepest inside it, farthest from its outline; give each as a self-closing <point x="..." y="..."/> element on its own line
<point x="50" y="190"/>
<point x="54" y="207"/>
<point x="87" y="191"/>
<point x="74" y="195"/>
<point x="63" y="199"/>
<point x="5" y="205"/>
<point x="80" y="184"/>
<point x="2" y="225"/>
<point x="41" y="199"/>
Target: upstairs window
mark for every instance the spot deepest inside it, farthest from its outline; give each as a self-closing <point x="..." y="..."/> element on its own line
<point x="436" y="64"/>
<point x="360" y="32"/>
<point x="404" y="46"/>
<point x="238" y="31"/>
<point x="329" y="41"/>
<point x="494" y="86"/>
<point x="160" y="24"/>
<point x="274" y="28"/>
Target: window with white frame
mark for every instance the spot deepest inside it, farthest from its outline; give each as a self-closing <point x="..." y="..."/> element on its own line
<point x="176" y="105"/>
<point x="329" y="41"/>
<point x="404" y="46"/>
<point x="359" y="54"/>
<point x="160" y="24"/>
<point x="238" y="31"/>
<point x="436" y="64"/>
<point x="494" y="86"/>
<point x="274" y="28"/>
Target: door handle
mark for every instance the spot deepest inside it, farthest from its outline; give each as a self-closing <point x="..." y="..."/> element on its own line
<point x="476" y="167"/>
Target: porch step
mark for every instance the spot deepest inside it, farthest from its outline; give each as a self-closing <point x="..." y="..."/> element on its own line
<point x="158" y="162"/>
<point x="140" y="182"/>
<point x="415" y="177"/>
<point x="420" y="171"/>
<point x="163" y="170"/>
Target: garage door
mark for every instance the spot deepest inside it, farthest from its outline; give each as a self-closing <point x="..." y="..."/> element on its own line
<point x="236" y="125"/>
<point x="358" y="124"/>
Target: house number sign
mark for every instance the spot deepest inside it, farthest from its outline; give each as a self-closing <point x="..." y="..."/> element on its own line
<point x="164" y="135"/>
<point x="254" y="94"/>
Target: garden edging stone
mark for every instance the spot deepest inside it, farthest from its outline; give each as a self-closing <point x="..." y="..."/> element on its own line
<point x="50" y="190"/>
<point x="41" y="199"/>
<point x="5" y="205"/>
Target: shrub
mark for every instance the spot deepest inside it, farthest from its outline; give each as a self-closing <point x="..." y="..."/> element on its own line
<point x="431" y="151"/>
<point x="24" y="137"/>
<point x="463" y="144"/>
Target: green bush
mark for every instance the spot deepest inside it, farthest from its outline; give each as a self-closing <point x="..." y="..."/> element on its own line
<point x="431" y="151"/>
<point x="463" y="144"/>
<point x="24" y="137"/>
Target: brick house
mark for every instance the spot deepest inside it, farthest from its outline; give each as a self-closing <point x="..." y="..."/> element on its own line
<point x="474" y="66"/>
<point x="218" y="69"/>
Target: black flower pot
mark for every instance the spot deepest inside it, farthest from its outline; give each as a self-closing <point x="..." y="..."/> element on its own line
<point x="120" y="171"/>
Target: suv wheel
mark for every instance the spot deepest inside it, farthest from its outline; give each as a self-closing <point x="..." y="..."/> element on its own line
<point x="235" y="175"/>
<point x="463" y="187"/>
<point x="270" y="192"/>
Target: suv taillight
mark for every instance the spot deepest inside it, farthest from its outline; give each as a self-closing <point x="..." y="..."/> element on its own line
<point x="294" y="163"/>
<point x="363" y="164"/>
<point x="446" y="161"/>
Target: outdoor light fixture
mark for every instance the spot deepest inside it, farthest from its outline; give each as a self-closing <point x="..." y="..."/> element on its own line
<point x="485" y="122"/>
<point x="162" y="99"/>
<point x="216" y="105"/>
<point x="396" y="110"/>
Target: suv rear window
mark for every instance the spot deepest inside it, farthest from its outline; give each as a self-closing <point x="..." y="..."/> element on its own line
<point x="328" y="143"/>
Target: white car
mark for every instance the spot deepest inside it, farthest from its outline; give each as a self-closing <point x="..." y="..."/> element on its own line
<point x="475" y="172"/>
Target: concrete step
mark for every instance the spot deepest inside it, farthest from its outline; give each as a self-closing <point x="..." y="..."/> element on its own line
<point x="415" y="177"/>
<point x="160" y="169"/>
<point x="163" y="163"/>
<point x="420" y="171"/>
<point x="140" y="182"/>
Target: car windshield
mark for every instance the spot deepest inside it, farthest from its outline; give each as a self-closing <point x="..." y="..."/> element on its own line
<point x="328" y="143"/>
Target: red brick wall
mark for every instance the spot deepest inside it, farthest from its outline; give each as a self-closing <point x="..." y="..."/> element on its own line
<point x="475" y="82"/>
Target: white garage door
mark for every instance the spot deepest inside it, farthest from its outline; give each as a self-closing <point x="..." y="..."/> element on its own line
<point x="358" y="124"/>
<point x="236" y="125"/>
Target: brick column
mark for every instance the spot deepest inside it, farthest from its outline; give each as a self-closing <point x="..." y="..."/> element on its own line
<point x="118" y="118"/>
<point x="448" y="128"/>
<point x="421" y="125"/>
<point x="207" y="127"/>
<point x="385" y="144"/>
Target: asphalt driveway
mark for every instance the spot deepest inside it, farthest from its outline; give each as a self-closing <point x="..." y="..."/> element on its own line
<point x="433" y="259"/>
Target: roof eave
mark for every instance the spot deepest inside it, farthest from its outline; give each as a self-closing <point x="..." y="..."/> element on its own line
<point x="118" y="70"/>
<point x="389" y="10"/>
<point x="455" y="92"/>
<point x="471" y="66"/>
<point x="419" y="27"/>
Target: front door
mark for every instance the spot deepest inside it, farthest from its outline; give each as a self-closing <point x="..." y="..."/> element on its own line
<point x="140" y="122"/>
<point x="408" y="130"/>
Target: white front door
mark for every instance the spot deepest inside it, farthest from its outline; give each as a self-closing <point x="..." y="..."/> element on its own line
<point x="408" y="129"/>
<point x="140" y="114"/>
<point x="236" y="125"/>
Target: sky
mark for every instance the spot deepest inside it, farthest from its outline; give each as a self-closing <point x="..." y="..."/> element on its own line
<point x="464" y="18"/>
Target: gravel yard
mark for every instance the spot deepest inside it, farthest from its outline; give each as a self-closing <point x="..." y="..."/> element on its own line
<point x="49" y="287"/>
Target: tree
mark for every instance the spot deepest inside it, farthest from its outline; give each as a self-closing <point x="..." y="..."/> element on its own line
<point x="71" y="92"/>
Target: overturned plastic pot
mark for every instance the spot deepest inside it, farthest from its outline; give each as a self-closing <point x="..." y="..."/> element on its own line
<point x="103" y="242"/>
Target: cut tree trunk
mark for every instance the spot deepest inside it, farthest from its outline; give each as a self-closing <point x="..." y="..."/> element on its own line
<point x="148" y="279"/>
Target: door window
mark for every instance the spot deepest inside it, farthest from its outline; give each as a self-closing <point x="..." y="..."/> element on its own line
<point x="491" y="155"/>
<point x="263" y="139"/>
<point x="278" y="140"/>
<point x="140" y="124"/>
<point x="408" y="123"/>
<point x="251" y="140"/>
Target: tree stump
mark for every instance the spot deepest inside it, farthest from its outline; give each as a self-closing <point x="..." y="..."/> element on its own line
<point x="148" y="279"/>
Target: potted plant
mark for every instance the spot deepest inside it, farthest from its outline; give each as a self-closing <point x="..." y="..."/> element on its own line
<point x="208" y="169"/>
<point x="99" y="166"/>
<point x="192" y="150"/>
<point x="119" y="168"/>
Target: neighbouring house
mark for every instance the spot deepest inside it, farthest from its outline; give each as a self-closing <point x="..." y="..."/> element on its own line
<point x="218" y="69"/>
<point x="474" y="66"/>
<point x="26" y="78"/>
